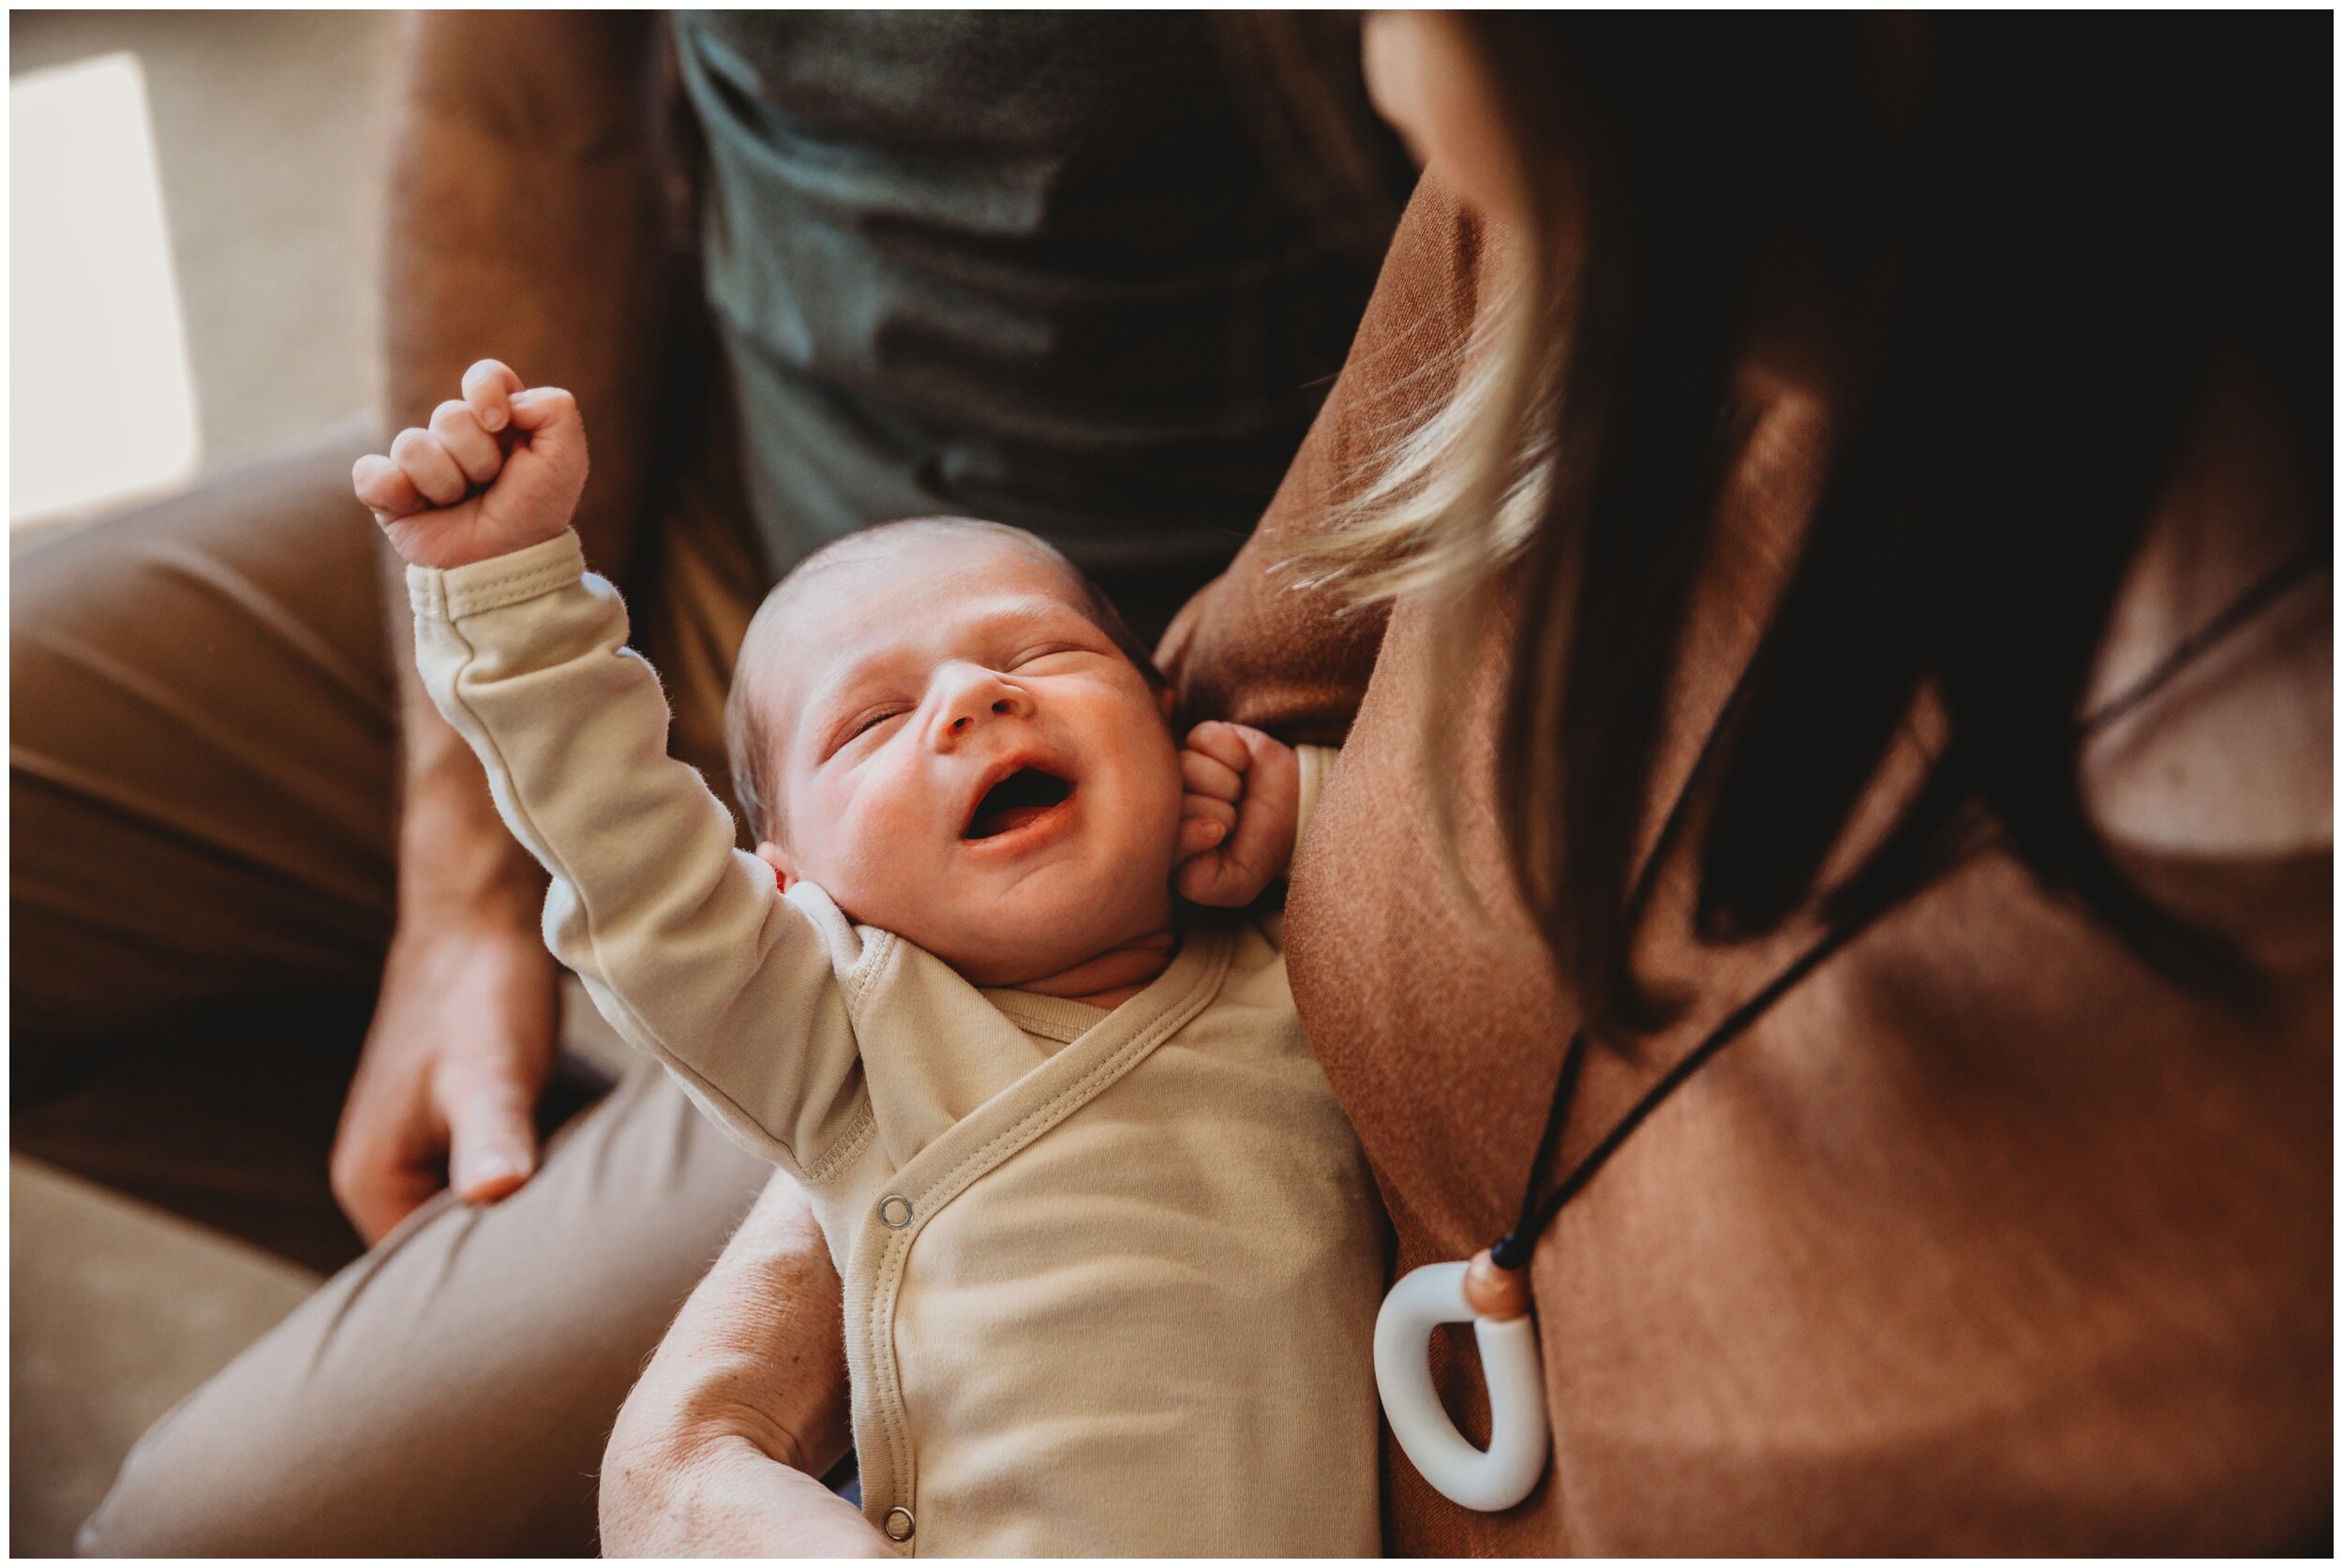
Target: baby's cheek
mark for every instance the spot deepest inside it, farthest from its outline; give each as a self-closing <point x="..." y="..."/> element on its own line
<point x="877" y="848"/>
<point x="1160" y="792"/>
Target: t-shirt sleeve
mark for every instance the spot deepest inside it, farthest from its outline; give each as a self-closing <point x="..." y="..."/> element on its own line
<point x="685" y="942"/>
<point x="1260" y="646"/>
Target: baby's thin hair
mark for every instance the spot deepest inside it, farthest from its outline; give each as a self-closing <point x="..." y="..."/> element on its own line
<point x="748" y="740"/>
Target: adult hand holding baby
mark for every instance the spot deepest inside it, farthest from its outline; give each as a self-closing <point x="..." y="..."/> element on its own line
<point x="497" y="470"/>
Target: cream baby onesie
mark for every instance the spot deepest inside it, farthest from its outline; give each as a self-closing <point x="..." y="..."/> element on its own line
<point x="1110" y="1277"/>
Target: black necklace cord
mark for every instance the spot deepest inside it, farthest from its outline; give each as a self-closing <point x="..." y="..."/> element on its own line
<point x="2258" y="595"/>
<point x="1852" y="914"/>
<point x="1511" y="1251"/>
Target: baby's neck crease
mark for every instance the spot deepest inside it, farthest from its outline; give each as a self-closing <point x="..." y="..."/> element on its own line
<point x="1111" y="978"/>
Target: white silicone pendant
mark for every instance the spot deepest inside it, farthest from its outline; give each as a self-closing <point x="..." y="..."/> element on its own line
<point x="1487" y="1481"/>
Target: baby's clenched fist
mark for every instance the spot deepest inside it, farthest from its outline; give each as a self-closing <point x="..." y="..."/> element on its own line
<point x="497" y="470"/>
<point x="1239" y="811"/>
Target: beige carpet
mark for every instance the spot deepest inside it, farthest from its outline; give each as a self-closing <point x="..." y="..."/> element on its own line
<point x="268" y="131"/>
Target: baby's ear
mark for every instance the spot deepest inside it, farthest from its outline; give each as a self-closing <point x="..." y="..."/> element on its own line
<point x="777" y="857"/>
<point x="1167" y="699"/>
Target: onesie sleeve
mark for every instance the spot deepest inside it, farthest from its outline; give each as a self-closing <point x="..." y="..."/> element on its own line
<point x="1317" y="766"/>
<point x="685" y="942"/>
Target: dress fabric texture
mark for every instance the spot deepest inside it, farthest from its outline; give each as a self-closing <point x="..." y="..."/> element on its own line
<point x="1983" y="1240"/>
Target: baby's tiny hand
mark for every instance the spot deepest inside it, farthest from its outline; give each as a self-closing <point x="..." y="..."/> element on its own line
<point x="1238" y="817"/>
<point x="498" y="470"/>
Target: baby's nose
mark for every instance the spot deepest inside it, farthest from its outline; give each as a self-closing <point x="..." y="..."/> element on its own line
<point x="1000" y="705"/>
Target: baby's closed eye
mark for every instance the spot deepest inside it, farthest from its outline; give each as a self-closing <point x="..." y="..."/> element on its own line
<point x="1050" y="656"/>
<point x="854" y="726"/>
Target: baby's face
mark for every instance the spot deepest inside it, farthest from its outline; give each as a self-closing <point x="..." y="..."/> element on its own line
<point x="967" y="761"/>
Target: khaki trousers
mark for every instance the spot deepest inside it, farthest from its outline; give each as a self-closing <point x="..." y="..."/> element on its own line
<point x="201" y="774"/>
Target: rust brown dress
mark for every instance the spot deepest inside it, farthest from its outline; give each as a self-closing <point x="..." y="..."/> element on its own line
<point x="1985" y="1239"/>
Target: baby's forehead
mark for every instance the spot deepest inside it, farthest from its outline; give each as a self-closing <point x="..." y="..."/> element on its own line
<point x="908" y="592"/>
<point x="938" y="574"/>
<point x="970" y="551"/>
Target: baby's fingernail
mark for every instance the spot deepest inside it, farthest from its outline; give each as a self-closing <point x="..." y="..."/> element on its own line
<point x="492" y="420"/>
<point x="1214" y="831"/>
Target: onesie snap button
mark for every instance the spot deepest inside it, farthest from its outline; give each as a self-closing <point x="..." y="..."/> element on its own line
<point x="899" y="1523"/>
<point x="895" y="1213"/>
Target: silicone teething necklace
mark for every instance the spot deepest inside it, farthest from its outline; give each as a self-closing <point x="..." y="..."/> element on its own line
<point x="1492" y="1291"/>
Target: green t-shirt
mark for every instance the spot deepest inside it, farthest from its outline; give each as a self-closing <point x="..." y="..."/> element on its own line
<point x="1024" y="267"/>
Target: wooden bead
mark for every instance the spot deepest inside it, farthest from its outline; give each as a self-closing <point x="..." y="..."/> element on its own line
<point x="1496" y="1293"/>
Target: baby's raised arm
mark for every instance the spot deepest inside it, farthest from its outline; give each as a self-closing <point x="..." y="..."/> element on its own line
<point x="686" y="944"/>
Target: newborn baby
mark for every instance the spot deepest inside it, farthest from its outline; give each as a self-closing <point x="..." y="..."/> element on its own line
<point x="1112" y="1260"/>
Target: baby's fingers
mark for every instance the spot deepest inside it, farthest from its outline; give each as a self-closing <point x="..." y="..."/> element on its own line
<point x="1222" y="741"/>
<point x="1212" y="879"/>
<point x="541" y="409"/>
<point x="1198" y="836"/>
<point x="488" y="388"/>
<point x="428" y="468"/>
<point x="474" y="450"/>
<point x="551" y="465"/>
<point x="384" y="490"/>
<point x="1203" y="823"/>
<point x="1207" y="775"/>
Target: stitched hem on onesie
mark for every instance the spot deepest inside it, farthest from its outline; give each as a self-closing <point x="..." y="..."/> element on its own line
<point x="453" y="592"/>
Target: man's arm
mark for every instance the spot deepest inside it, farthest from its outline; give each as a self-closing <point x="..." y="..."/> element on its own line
<point x="525" y="220"/>
<point x="718" y="1449"/>
<point x="528" y="225"/>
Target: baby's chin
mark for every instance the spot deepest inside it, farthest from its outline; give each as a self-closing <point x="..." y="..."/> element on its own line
<point x="1015" y="941"/>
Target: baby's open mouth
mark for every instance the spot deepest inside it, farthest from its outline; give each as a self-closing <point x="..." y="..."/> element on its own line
<point x="1016" y="800"/>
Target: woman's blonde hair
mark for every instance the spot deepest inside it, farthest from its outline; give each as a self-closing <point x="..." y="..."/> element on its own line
<point x="1452" y="499"/>
<point x="1455" y="497"/>
<point x="2023" y="266"/>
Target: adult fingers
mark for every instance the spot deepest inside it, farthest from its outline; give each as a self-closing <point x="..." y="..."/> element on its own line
<point x="383" y="490"/>
<point x="492" y="1135"/>
<point x="379" y="1177"/>
<point x="474" y="450"/>
<point x="488" y="388"/>
<point x="377" y="1201"/>
<point x="428" y="468"/>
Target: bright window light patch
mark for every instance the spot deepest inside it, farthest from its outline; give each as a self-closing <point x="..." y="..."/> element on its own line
<point x="101" y="396"/>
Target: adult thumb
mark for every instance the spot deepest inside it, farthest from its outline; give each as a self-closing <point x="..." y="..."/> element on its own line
<point x="492" y="1140"/>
